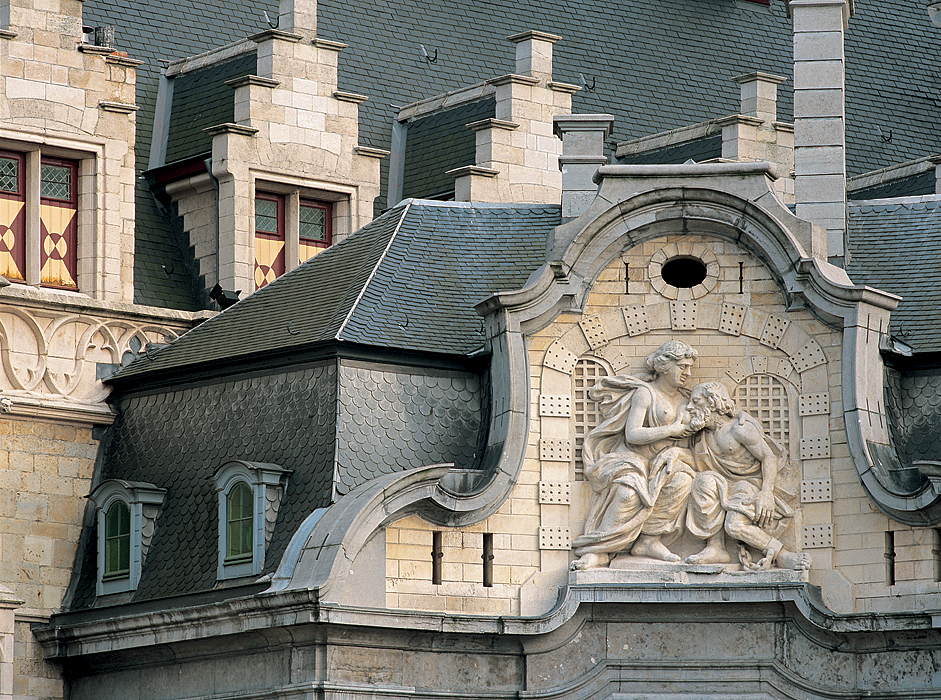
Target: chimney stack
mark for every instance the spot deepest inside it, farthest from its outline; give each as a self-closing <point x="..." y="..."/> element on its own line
<point x="819" y="119"/>
<point x="583" y="138"/>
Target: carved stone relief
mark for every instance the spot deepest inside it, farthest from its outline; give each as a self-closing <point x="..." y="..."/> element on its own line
<point x="54" y="354"/>
<point x="688" y="465"/>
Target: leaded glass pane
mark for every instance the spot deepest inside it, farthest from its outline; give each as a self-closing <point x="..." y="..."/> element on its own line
<point x="266" y="216"/>
<point x="313" y="223"/>
<point x="9" y="175"/>
<point x="56" y="181"/>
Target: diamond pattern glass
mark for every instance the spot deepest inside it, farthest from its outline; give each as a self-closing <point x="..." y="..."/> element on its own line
<point x="313" y="223"/>
<point x="56" y="181"/>
<point x="9" y="175"/>
<point x="266" y="216"/>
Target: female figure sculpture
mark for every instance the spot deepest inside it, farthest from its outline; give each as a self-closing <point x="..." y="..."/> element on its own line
<point x="638" y="500"/>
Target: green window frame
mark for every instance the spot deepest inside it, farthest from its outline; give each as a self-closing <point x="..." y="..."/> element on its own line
<point x="239" y="523"/>
<point x="117" y="542"/>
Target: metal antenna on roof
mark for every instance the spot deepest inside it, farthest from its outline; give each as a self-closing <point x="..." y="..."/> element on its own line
<point x="590" y="88"/>
<point x="425" y="57"/>
<point x="273" y="25"/>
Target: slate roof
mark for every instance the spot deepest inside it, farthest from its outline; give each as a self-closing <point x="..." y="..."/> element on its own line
<point x="895" y="245"/>
<point x="914" y="186"/>
<point x="406" y="281"/>
<point x="202" y="99"/>
<point x="698" y="150"/>
<point x="657" y="65"/>
<point x="440" y="142"/>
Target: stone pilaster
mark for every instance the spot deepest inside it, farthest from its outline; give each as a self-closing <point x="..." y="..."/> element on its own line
<point x="583" y="153"/>
<point x="819" y="118"/>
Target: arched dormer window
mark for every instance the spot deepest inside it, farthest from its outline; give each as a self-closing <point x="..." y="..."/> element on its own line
<point x="249" y="498"/>
<point x="126" y="513"/>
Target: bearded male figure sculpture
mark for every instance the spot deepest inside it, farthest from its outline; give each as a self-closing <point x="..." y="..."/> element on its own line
<point x="736" y="490"/>
<point x="638" y="501"/>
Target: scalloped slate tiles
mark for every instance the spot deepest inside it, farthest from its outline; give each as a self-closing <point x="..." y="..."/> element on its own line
<point x="895" y="245"/>
<point x="914" y="412"/>
<point x="392" y="420"/>
<point x="178" y="439"/>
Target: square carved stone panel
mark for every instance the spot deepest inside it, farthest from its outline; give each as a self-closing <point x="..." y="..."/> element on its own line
<point x="558" y="406"/>
<point x="816" y="490"/>
<point x="818" y="536"/>
<point x="555" y="450"/>
<point x="555" y="492"/>
<point x="555" y="538"/>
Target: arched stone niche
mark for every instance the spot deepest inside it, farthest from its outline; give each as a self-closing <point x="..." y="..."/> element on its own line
<point x="770" y="358"/>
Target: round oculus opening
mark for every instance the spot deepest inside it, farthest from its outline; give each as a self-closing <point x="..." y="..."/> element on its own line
<point x="683" y="272"/>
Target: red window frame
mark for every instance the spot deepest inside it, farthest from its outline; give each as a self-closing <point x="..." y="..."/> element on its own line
<point x="50" y="246"/>
<point x="15" y="245"/>
<point x="277" y="264"/>
<point x="327" y="209"/>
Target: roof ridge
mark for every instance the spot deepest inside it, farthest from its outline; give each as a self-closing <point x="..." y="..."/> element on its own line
<point x="362" y="291"/>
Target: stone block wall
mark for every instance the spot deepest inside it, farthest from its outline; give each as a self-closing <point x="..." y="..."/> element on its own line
<point x="78" y="99"/>
<point x="46" y="469"/>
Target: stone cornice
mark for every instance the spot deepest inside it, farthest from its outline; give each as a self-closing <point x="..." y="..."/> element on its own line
<point x="492" y="124"/>
<point x="349" y="97"/>
<point x="370" y="152"/>
<point x="122" y="60"/>
<point x="473" y="170"/>
<point x="230" y="128"/>
<point x="329" y="45"/>
<point x="72" y="636"/>
<point x="118" y="107"/>
<point x="563" y="87"/>
<point x="252" y="80"/>
<point x="512" y="79"/>
<point x="272" y="34"/>
<point x="7" y="34"/>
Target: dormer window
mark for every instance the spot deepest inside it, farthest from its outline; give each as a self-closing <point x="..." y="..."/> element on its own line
<point x="249" y="498"/>
<point x="126" y="513"/>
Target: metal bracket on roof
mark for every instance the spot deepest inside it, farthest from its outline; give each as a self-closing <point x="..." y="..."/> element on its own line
<point x="425" y="57"/>
<point x="273" y="25"/>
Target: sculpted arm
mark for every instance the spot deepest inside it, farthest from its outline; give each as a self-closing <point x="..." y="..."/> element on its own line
<point x="754" y="441"/>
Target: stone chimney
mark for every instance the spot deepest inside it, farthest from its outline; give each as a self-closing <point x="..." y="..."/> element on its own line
<point x="819" y="119"/>
<point x="756" y="134"/>
<point x="583" y="138"/>
<point x="298" y="17"/>
<point x="517" y="156"/>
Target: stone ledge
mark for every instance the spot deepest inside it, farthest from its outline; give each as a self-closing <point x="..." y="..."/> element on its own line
<point x="540" y="36"/>
<point x="783" y="126"/>
<point x="252" y="80"/>
<point x="7" y="34"/>
<point x="46" y="409"/>
<point x="329" y="45"/>
<point x="118" y="107"/>
<point x="759" y="75"/>
<point x="472" y="93"/>
<point x="673" y="137"/>
<point x="739" y="119"/>
<point x="349" y="97"/>
<point x="492" y="124"/>
<point x="563" y="87"/>
<point x="513" y="79"/>
<point x="472" y="170"/>
<point x="95" y="49"/>
<point x="270" y="34"/>
<point x="122" y="60"/>
<point x="893" y="172"/>
<point x="230" y="128"/>
<point x="370" y="152"/>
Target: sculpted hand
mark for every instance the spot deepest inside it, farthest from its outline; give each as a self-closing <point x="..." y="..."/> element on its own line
<point x="681" y="429"/>
<point x="764" y="508"/>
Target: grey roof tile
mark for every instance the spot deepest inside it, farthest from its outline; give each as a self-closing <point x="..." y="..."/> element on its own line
<point x="895" y="245"/>
<point x="409" y="280"/>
